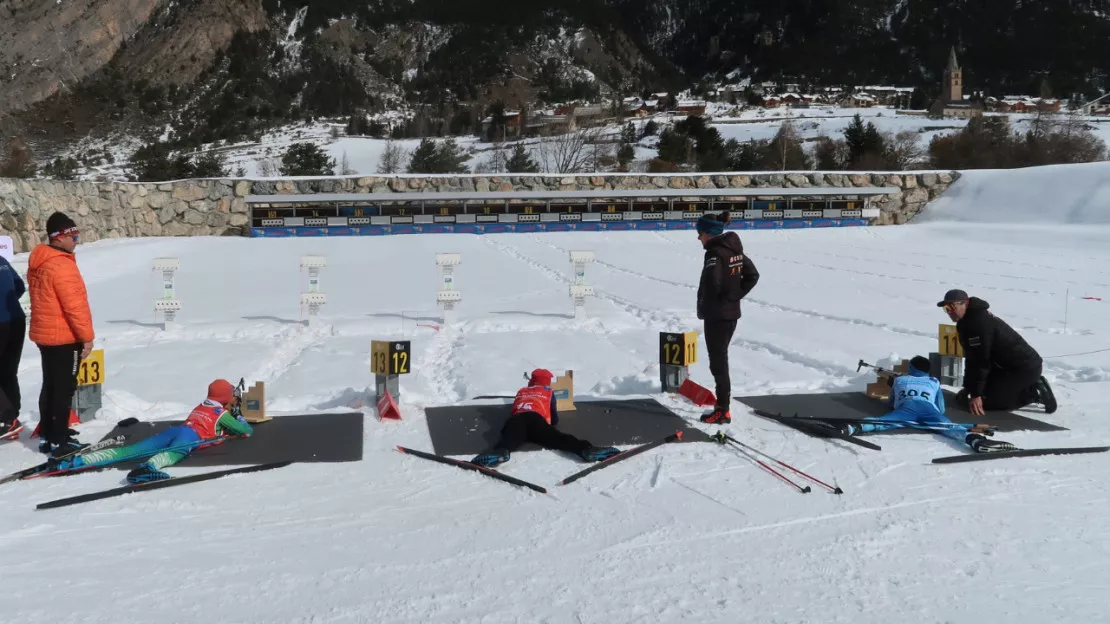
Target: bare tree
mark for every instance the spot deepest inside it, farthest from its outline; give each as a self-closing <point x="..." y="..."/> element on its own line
<point x="392" y="158"/>
<point x="495" y="163"/>
<point x="345" y="166"/>
<point x="269" y="167"/>
<point x="573" y="152"/>
<point x="903" y="150"/>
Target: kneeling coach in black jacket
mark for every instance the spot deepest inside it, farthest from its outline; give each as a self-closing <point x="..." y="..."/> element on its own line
<point x="1001" y="370"/>
<point x="726" y="277"/>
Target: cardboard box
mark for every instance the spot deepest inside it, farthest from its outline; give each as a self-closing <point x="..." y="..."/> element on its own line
<point x="563" y="387"/>
<point x="254" y="403"/>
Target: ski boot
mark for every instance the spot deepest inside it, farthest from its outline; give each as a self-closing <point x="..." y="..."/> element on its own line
<point x="145" y="473"/>
<point x="68" y="447"/>
<point x="490" y="459"/>
<point x="595" y="454"/>
<point x="719" y="416"/>
<point x="1045" y="396"/>
<point x="981" y="444"/>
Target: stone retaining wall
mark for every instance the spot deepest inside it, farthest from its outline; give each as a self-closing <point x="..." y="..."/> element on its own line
<point x="218" y="207"/>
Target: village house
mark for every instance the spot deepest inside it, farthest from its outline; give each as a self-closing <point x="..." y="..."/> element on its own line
<point x="1022" y="104"/>
<point x="514" y="123"/>
<point x="693" y="108"/>
<point x="888" y="95"/>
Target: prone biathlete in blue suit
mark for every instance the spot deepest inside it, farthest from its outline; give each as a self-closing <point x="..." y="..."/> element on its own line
<point x="917" y="401"/>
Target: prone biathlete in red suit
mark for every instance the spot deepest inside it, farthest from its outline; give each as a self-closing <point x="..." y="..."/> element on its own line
<point x="533" y="418"/>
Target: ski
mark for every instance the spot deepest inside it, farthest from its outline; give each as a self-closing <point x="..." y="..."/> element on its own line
<point x="489" y="472"/>
<point x="155" y="485"/>
<point x="623" y="455"/>
<point x="1067" y="450"/>
<point x="45" y="466"/>
<point x="815" y="428"/>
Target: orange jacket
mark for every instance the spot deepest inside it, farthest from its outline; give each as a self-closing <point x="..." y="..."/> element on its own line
<point x="59" y="303"/>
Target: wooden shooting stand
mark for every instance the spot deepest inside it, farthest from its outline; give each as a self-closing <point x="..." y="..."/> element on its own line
<point x="880" y="388"/>
<point x="254" y="404"/>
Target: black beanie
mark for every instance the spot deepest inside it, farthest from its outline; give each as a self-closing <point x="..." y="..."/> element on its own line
<point x="60" y="225"/>
<point x="921" y="363"/>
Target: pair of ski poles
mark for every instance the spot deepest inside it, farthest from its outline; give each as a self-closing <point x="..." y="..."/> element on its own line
<point x="750" y="452"/>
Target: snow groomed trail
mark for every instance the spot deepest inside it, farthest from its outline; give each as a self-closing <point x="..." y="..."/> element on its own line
<point x="684" y="532"/>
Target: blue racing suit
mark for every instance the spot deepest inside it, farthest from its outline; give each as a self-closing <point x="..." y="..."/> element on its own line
<point x="917" y="398"/>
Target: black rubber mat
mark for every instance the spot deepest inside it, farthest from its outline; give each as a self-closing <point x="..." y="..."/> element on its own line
<point x="301" y="438"/>
<point x="859" y="405"/>
<point x="471" y="429"/>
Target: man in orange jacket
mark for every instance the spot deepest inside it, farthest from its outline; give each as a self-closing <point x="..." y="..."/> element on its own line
<point x="62" y="327"/>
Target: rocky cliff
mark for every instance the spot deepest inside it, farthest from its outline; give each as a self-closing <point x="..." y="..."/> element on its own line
<point x="223" y="69"/>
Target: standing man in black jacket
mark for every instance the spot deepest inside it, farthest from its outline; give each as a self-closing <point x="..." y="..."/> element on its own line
<point x="1001" y="371"/>
<point x="726" y="277"/>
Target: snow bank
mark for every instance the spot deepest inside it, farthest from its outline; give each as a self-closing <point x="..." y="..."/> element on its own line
<point x="1055" y="194"/>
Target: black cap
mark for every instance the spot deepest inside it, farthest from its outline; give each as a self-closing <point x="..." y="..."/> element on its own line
<point x="952" y="296"/>
<point x="922" y="364"/>
<point x="58" y="224"/>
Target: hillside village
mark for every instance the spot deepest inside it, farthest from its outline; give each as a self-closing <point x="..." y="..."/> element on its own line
<point x="729" y="99"/>
<point x="651" y="131"/>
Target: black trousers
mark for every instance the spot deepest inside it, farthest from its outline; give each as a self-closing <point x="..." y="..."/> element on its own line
<point x="718" y="335"/>
<point x="12" y="335"/>
<point x="59" y="383"/>
<point x="531" y="427"/>
<point x="1008" y="390"/>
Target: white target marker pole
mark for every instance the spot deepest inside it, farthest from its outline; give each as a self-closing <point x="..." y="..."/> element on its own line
<point x="447" y="297"/>
<point x="167" y="304"/>
<point x="313" y="298"/>
<point x="579" y="289"/>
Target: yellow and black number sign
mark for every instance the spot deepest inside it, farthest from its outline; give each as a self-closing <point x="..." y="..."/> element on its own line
<point x="678" y="349"/>
<point x="948" y="341"/>
<point x="90" y="371"/>
<point x="390" y="357"/>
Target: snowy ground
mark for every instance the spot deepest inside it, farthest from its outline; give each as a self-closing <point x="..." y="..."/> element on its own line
<point x="687" y="533"/>
<point x="363" y="154"/>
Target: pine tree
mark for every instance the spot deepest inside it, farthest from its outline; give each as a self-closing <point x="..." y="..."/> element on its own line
<point x="423" y="157"/>
<point x="306" y="159"/>
<point x="521" y="162"/>
<point x="628" y="134"/>
<point x="865" y="143"/>
<point x="441" y="157"/>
